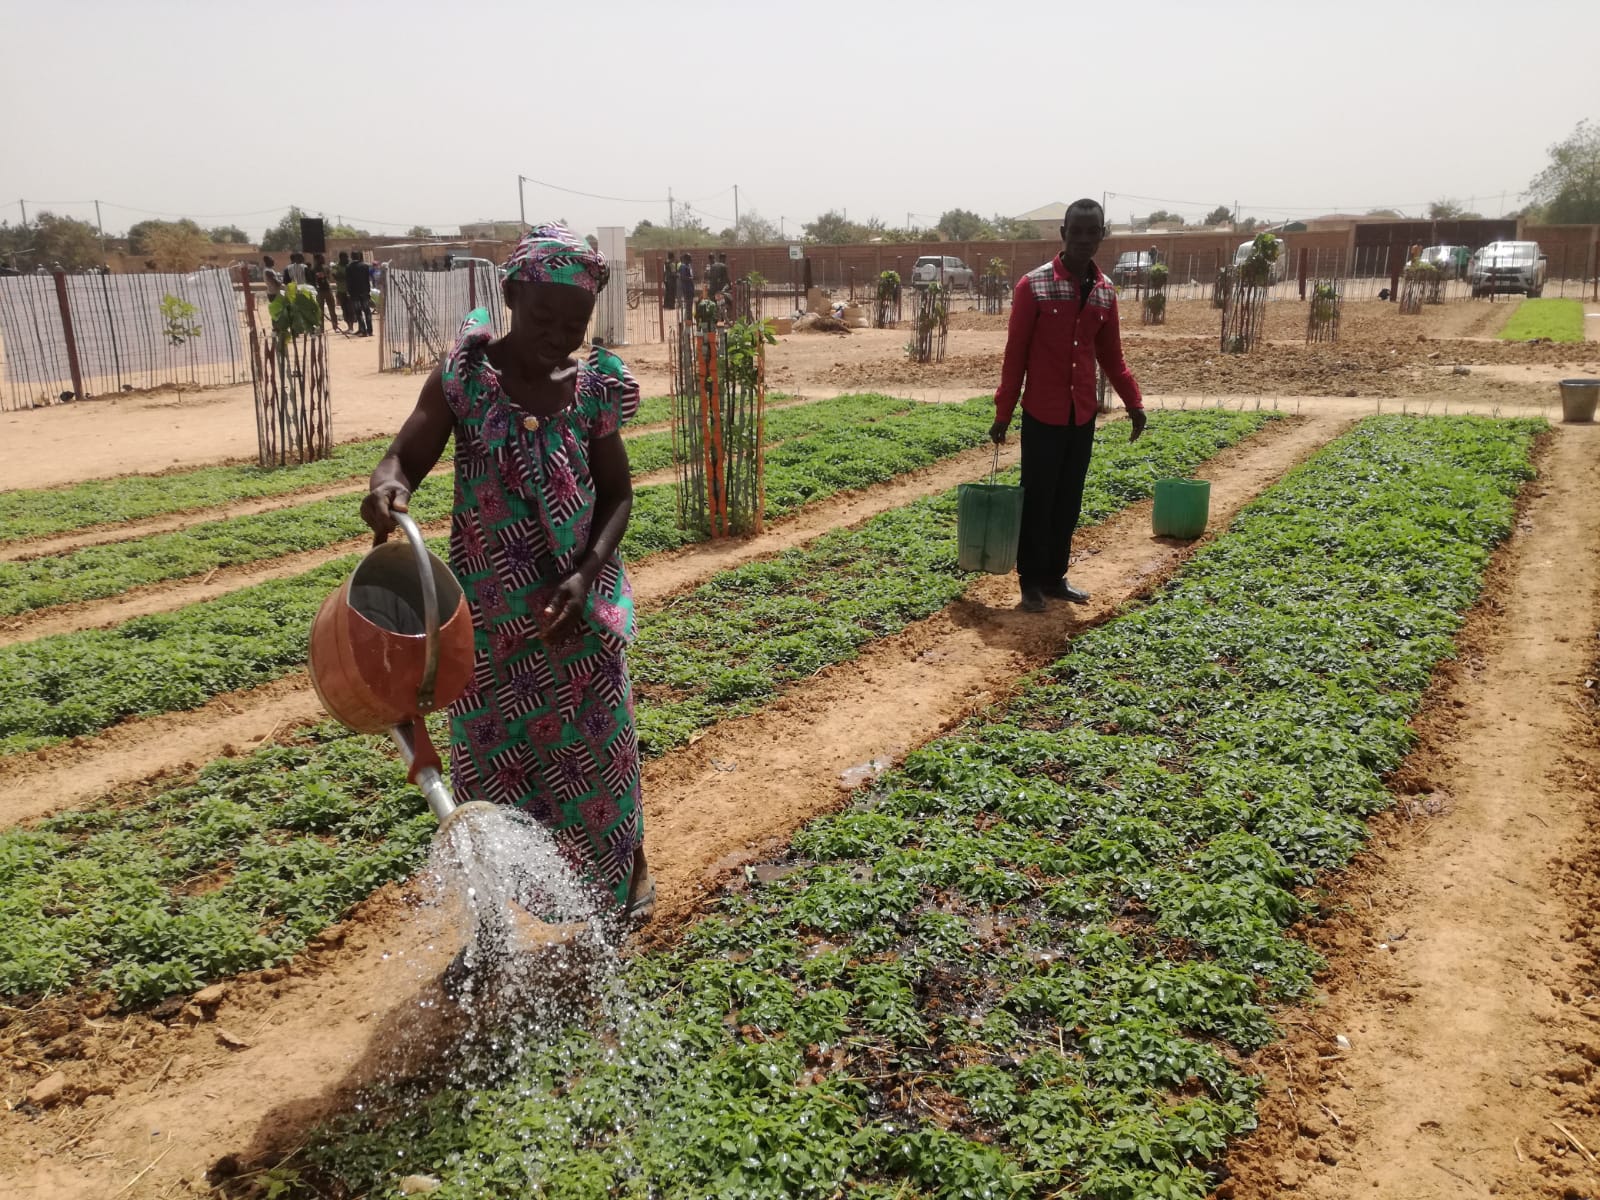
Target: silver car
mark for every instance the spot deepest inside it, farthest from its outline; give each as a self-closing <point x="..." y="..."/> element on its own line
<point x="934" y="268"/>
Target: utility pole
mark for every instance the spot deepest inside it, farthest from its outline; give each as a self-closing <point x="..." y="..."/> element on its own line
<point x="781" y="235"/>
<point x="672" y="222"/>
<point x="736" y="212"/>
<point x="102" y="228"/>
<point x="522" y="208"/>
<point x="23" y="205"/>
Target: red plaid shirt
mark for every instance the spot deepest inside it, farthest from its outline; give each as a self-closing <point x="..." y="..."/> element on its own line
<point x="1053" y="342"/>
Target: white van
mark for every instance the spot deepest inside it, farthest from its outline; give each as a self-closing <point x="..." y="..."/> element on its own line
<point x="1280" y="269"/>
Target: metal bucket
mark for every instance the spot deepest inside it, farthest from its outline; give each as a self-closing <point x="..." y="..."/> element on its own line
<point x="1578" y="399"/>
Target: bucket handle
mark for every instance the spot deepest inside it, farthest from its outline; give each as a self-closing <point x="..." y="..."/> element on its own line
<point x="430" y="609"/>
<point x="994" y="467"/>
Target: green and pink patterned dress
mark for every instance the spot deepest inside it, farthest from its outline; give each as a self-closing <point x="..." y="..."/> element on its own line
<point x="547" y="728"/>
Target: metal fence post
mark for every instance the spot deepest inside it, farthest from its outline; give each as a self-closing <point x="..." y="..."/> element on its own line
<point x="67" y="332"/>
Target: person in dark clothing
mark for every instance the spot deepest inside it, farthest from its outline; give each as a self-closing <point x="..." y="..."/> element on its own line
<point x="686" y="286"/>
<point x="358" y="280"/>
<point x="341" y="289"/>
<point x="669" y="280"/>
<point x="323" y="278"/>
<point x="1063" y="321"/>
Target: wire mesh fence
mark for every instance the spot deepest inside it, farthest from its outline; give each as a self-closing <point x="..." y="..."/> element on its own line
<point x="77" y="336"/>
<point x="423" y="311"/>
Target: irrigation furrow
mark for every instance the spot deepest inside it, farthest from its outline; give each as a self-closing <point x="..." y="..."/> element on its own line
<point x="331" y="1024"/>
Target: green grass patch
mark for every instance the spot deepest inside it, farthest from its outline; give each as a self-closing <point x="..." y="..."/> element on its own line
<point x="1555" y="320"/>
<point x="1030" y="961"/>
<point x="285" y="839"/>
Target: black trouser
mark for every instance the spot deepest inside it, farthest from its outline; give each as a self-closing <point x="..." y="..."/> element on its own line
<point x="329" y="312"/>
<point x="1055" y="462"/>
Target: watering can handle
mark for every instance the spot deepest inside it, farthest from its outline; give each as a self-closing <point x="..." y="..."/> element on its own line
<point x="994" y="468"/>
<point x="430" y="609"/>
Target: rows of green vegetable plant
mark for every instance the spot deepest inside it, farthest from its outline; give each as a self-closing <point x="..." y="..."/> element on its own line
<point x="97" y="572"/>
<point x="1034" y="960"/>
<point x="82" y="682"/>
<point x="290" y="836"/>
<point x="38" y="512"/>
<point x="729" y="645"/>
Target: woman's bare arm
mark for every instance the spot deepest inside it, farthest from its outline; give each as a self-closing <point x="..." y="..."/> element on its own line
<point x="414" y="452"/>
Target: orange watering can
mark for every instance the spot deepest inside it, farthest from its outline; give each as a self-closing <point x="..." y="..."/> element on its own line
<point x="393" y="644"/>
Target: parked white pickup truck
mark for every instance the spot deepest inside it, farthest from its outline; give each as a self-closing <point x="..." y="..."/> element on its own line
<point x="1508" y="267"/>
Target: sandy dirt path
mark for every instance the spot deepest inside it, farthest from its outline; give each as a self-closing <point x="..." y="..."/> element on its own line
<point x="67" y="775"/>
<point x="1463" y="954"/>
<point x="142" y="433"/>
<point x="358" y="1007"/>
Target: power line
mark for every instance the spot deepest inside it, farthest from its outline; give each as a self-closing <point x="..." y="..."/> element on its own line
<point x="556" y="187"/>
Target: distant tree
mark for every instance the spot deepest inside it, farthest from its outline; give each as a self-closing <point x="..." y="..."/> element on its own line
<point x="285" y="235"/>
<point x="176" y="245"/>
<point x="900" y="235"/>
<point x="1384" y="212"/>
<point x="833" y="228"/>
<point x="1220" y="215"/>
<point x="959" y="225"/>
<point x="1162" y="217"/>
<point x="419" y="231"/>
<point x="649" y="236"/>
<point x="1247" y="225"/>
<point x="15" y="241"/>
<point x="1013" y="229"/>
<point x="339" y="231"/>
<point x="230" y="235"/>
<point x="1568" y="190"/>
<point x="1444" y="210"/>
<point x="755" y="230"/>
<point x="48" y="239"/>
<point x="143" y="237"/>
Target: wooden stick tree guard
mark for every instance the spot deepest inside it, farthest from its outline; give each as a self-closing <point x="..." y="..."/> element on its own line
<point x="718" y="434"/>
<point x="1243" y="317"/>
<point x="1322" y="323"/>
<point x="930" y="324"/>
<point x="1422" y="283"/>
<point x="294" y="412"/>
<point x="1154" y="309"/>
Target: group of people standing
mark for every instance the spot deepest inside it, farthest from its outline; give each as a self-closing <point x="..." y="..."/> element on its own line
<point x="343" y="287"/>
<point x="679" y="279"/>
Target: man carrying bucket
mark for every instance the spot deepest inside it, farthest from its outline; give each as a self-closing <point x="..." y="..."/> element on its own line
<point x="1063" y="320"/>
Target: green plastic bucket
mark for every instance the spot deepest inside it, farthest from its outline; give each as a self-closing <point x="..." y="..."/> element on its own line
<point x="1182" y="508"/>
<point x="988" y="524"/>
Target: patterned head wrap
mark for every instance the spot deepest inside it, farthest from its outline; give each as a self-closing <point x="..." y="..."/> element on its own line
<point x="554" y="254"/>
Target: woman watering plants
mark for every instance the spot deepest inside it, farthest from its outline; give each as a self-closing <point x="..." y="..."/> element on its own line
<point x="542" y="497"/>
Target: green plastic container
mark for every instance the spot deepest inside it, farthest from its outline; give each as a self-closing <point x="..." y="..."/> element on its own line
<point x="1182" y="508"/>
<point x="988" y="524"/>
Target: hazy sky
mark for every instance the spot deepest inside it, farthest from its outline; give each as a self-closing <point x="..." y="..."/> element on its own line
<point x="415" y="112"/>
